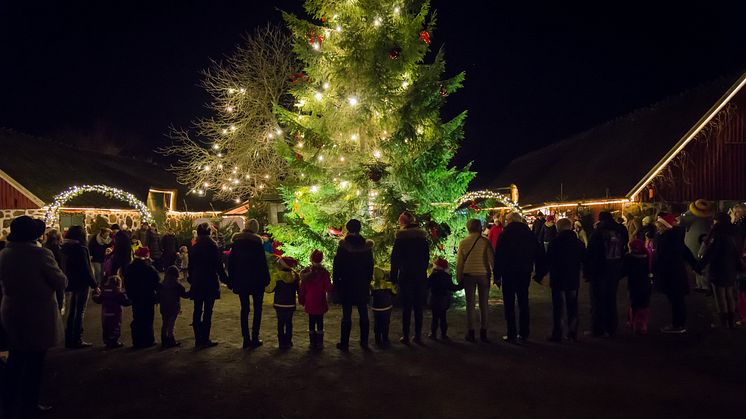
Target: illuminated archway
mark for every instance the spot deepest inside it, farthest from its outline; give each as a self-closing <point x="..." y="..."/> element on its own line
<point x="501" y="198"/>
<point x="107" y="191"/>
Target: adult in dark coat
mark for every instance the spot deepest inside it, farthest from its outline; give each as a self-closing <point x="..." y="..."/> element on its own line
<point x="53" y="242"/>
<point x="669" y="264"/>
<point x="538" y="226"/>
<point x="410" y="259"/>
<point x="76" y="263"/>
<point x="565" y="257"/>
<point x="206" y="271"/>
<point x="122" y="253"/>
<point x="603" y="269"/>
<point x="517" y="254"/>
<point x="141" y="282"/>
<point x="352" y="274"/>
<point x="249" y="275"/>
<point x="170" y="249"/>
<point x="723" y="258"/>
<point x="30" y="278"/>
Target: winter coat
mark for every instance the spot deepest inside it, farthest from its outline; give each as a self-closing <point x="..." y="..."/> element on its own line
<point x="548" y="232"/>
<point x="565" y="256"/>
<point x="112" y="299"/>
<point x="97" y="247"/>
<point x="76" y="263"/>
<point x="286" y="288"/>
<point x="314" y="285"/>
<point x="636" y="268"/>
<point x="55" y="249"/>
<point x="474" y="257"/>
<point x="170" y="293"/>
<point x="537" y="228"/>
<point x="206" y="269"/>
<point x="30" y="278"/>
<point x="142" y="235"/>
<point x="154" y="244"/>
<point x="410" y="256"/>
<point x="382" y="299"/>
<point x="353" y="269"/>
<point x="606" y="247"/>
<point x="441" y="288"/>
<point x="669" y="263"/>
<point x="518" y="252"/>
<point x="169" y="247"/>
<point x="122" y="253"/>
<point x="494" y="235"/>
<point x="722" y="256"/>
<point x="247" y="265"/>
<point x="141" y="282"/>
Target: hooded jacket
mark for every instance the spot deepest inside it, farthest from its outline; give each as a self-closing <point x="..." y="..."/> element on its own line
<point x="286" y="288"/>
<point x="353" y="269"/>
<point x="77" y="266"/>
<point x="247" y="265"/>
<point x="636" y="268"/>
<point x="314" y="285"/>
<point x="606" y="247"/>
<point x="410" y="256"/>
<point x="670" y="259"/>
<point x="723" y="256"/>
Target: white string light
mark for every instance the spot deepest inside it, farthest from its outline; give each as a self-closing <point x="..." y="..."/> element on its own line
<point x="352" y="100"/>
<point x="114" y="193"/>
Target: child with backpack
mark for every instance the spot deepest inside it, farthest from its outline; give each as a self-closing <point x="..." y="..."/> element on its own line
<point x="170" y="294"/>
<point x="285" y="289"/>
<point x="112" y="298"/>
<point x="382" y="304"/>
<point x="441" y="286"/>
<point x="315" y="284"/>
<point x="636" y="268"/>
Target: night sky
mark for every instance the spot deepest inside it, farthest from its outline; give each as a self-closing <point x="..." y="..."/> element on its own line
<point x="125" y="71"/>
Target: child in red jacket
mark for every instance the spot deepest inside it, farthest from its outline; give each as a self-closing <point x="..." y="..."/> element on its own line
<point x="314" y="285"/>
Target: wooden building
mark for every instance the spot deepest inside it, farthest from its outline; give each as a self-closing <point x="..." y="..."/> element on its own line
<point x="681" y="149"/>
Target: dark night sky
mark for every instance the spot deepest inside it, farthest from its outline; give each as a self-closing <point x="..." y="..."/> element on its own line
<point x="125" y="71"/>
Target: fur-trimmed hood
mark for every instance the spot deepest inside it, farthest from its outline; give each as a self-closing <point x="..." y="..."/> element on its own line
<point x="411" y="232"/>
<point x="356" y="243"/>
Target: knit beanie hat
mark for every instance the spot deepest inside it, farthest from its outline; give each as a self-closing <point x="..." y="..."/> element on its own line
<point x="440" y="263"/>
<point x="142" y="253"/>
<point x="667" y="220"/>
<point x="317" y="256"/>
<point x="252" y="225"/>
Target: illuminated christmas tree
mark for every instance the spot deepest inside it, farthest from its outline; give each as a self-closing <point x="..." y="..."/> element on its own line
<point x="364" y="138"/>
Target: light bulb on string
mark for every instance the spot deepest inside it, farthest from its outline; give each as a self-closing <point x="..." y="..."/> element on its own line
<point x="321" y="158"/>
<point x="266" y="176"/>
<point x="314" y="188"/>
<point x="326" y="86"/>
<point x="354" y="137"/>
<point x="207" y="168"/>
<point x="377" y="21"/>
<point x="229" y="109"/>
<point x="278" y="131"/>
<point x="206" y="185"/>
<point x="270" y="136"/>
<point x="397" y="10"/>
<point x="352" y="100"/>
<point x="338" y="29"/>
<point x="300" y="145"/>
<point x="231" y="90"/>
<point x="248" y="176"/>
<point x="405" y="84"/>
<point x="301" y="103"/>
<point x="225" y="131"/>
<point x="342" y="158"/>
<point x="220" y="167"/>
<point x="318" y="96"/>
<point x="261" y="186"/>
<point x="242" y="90"/>
<point x="237" y="200"/>
<point x="377" y="154"/>
<point x="316" y="46"/>
<point x="220" y="154"/>
<point x="233" y="127"/>
<point x="420" y="130"/>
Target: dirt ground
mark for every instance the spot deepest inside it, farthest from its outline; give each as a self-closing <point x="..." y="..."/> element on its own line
<point x="701" y="374"/>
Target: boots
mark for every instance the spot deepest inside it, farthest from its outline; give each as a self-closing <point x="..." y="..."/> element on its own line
<point x="344" y="341"/>
<point x="731" y="320"/>
<point x="470" y="336"/>
<point x="311" y="340"/>
<point x="483" y="336"/>
<point x="247" y="342"/>
<point x="364" y="332"/>
<point x="319" y="341"/>
<point x="284" y="341"/>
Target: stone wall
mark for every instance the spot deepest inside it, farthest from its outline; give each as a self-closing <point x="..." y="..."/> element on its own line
<point x="6" y="216"/>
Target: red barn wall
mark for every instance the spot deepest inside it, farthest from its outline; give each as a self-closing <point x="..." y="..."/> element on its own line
<point x="11" y="198"/>
<point x="714" y="169"/>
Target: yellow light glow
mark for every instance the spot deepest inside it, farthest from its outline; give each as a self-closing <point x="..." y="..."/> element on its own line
<point x="377" y="154"/>
<point x="233" y="127"/>
<point x="326" y="86"/>
<point x="300" y="145"/>
<point x="316" y="46"/>
<point x="314" y="188"/>
<point x="229" y="109"/>
<point x="352" y="100"/>
<point x="354" y="137"/>
<point x="318" y="96"/>
<point x="397" y="9"/>
<point x="321" y="158"/>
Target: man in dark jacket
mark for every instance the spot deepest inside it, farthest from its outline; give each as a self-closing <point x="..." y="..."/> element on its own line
<point x="565" y="256"/>
<point x="669" y="266"/>
<point x="122" y="253"/>
<point x="76" y="263"/>
<point x="141" y="282"/>
<point x="97" y="246"/>
<point x="516" y="255"/>
<point x="538" y="226"/>
<point x="603" y="269"/>
<point x="352" y="274"/>
<point x="410" y="259"/>
<point x="249" y="275"/>
<point x="206" y="271"/>
<point x="170" y="248"/>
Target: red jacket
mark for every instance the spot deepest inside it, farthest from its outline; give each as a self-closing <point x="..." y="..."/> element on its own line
<point x="315" y="283"/>
<point x="494" y="234"/>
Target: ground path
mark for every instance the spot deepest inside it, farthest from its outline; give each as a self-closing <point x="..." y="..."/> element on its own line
<point x="700" y="375"/>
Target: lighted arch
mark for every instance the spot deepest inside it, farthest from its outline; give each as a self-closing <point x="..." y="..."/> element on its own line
<point x="501" y="198"/>
<point x="109" y="192"/>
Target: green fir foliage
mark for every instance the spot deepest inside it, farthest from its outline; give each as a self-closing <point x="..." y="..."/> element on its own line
<point x="365" y="138"/>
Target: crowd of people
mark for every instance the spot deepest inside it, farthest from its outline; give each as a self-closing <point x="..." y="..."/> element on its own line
<point x="44" y="279"/>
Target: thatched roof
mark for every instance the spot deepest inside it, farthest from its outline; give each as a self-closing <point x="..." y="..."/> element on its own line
<point x="610" y="159"/>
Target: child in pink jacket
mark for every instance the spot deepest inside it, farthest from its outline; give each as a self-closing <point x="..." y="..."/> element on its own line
<point x="112" y="298"/>
<point x="315" y="284"/>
